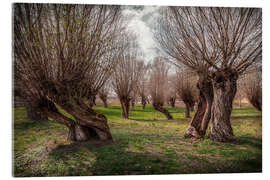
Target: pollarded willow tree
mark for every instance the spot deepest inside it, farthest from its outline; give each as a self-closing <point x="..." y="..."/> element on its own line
<point x="142" y="85"/>
<point x="185" y="86"/>
<point x="251" y="85"/>
<point x="171" y="93"/>
<point x="158" y="84"/>
<point x="219" y="44"/>
<point x="127" y="73"/>
<point x="103" y="94"/>
<point x="134" y="96"/>
<point x="63" y="54"/>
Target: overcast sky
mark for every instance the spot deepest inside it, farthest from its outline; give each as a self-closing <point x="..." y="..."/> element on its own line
<point x="141" y="19"/>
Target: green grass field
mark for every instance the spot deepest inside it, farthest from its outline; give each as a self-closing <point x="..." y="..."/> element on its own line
<point x="147" y="143"/>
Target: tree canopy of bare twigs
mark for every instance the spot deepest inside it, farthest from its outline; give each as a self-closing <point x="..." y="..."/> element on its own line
<point x="158" y="83"/>
<point x="222" y="38"/>
<point x="219" y="44"/>
<point x="63" y="54"/>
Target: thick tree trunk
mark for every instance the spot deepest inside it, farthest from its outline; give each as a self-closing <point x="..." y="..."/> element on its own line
<point x="104" y="100"/>
<point x="192" y="107"/>
<point x="207" y="90"/>
<point x="160" y="108"/>
<point x="79" y="132"/>
<point x="133" y="103"/>
<point x="199" y="123"/>
<point x="172" y="101"/>
<point x="33" y="114"/>
<point x="240" y="104"/>
<point x="90" y="102"/>
<point x="125" y="107"/>
<point x="143" y="105"/>
<point x="187" y="112"/>
<point x="194" y="127"/>
<point x="89" y="123"/>
<point x="256" y="102"/>
<point x="143" y="101"/>
<point x="224" y="86"/>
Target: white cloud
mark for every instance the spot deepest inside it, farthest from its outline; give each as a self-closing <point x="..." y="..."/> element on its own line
<point x="140" y="23"/>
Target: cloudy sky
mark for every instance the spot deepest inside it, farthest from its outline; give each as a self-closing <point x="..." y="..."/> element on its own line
<point x="141" y="20"/>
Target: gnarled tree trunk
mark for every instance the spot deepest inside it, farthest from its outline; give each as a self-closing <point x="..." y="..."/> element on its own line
<point x="192" y="107"/>
<point x="33" y="114"/>
<point x="199" y="123"/>
<point x="194" y="127"/>
<point x="125" y="107"/>
<point x="159" y="107"/>
<point x="187" y="112"/>
<point x="224" y="86"/>
<point x="104" y="100"/>
<point x="143" y="101"/>
<point x="91" y="102"/>
<point x="133" y="103"/>
<point x="172" y="101"/>
<point x="256" y="102"/>
<point x="89" y="124"/>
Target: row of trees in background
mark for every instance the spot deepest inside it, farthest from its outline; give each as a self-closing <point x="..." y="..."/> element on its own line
<point x="154" y="83"/>
<point x="158" y="85"/>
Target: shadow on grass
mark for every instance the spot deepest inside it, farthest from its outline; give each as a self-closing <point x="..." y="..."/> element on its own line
<point x="112" y="159"/>
<point x="29" y="125"/>
<point x="246" y="165"/>
<point x="115" y="158"/>
<point x="238" y="117"/>
<point x="255" y="142"/>
<point x="146" y="110"/>
<point x="160" y="120"/>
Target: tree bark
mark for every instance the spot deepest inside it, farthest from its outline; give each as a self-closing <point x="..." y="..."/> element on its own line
<point x="143" y="102"/>
<point x="160" y="108"/>
<point x="89" y="124"/>
<point x="133" y="103"/>
<point x="187" y="112"/>
<point x="199" y="123"/>
<point x="90" y="102"/>
<point x="104" y="100"/>
<point x="193" y="130"/>
<point x="172" y="101"/>
<point x="33" y="114"/>
<point x="224" y="86"/>
<point x="207" y="91"/>
<point x="240" y="103"/>
<point x="192" y="107"/>
<point x="125" y="107"/>
<point x="256" y="102"/>
<point x="143" y="105"/>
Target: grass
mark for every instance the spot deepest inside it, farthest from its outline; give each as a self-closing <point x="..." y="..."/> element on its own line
<point x="147" y="143"/>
